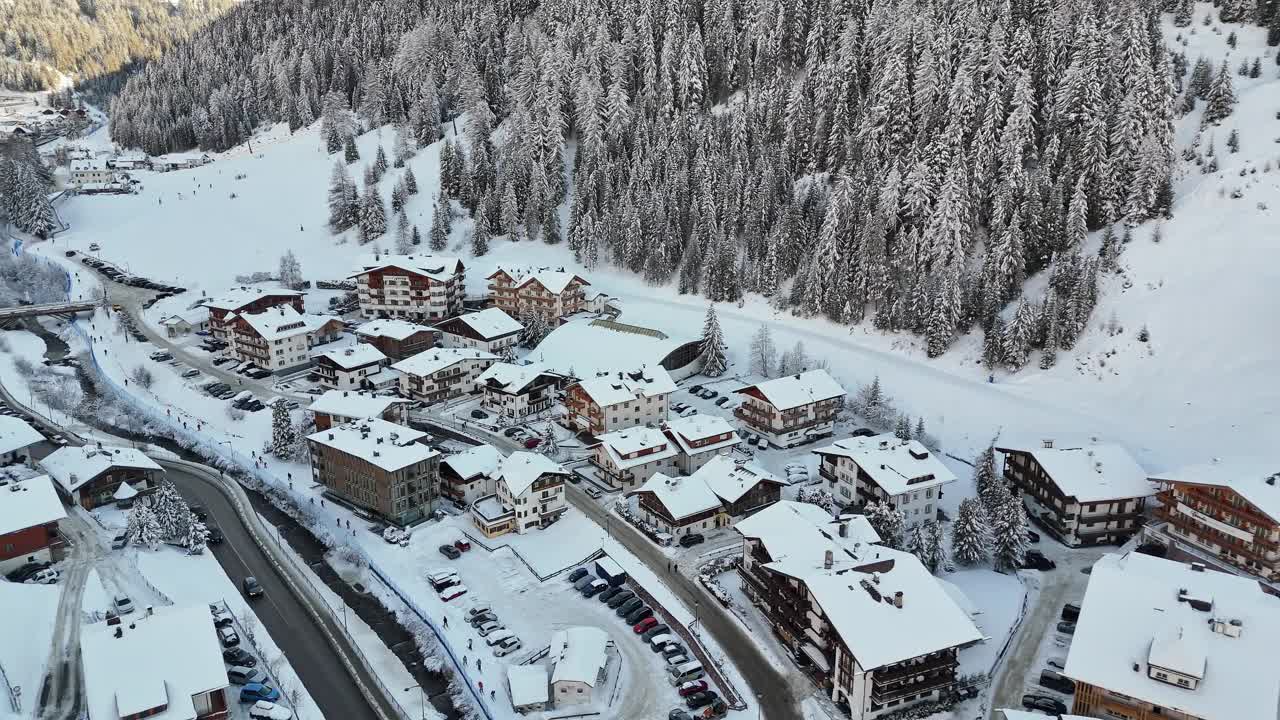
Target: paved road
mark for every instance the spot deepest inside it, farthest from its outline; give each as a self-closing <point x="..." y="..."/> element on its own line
<point x="282" y="614"/>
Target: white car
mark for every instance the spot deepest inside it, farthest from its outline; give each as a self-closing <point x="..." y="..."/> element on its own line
<point x="124" y="605"/>
<point x="489" y="627"/>
<point x="452" y="592"/>
<point x="688" y="411"/>
<point x="48" y="576"/>
<point x="594" y="493"/>
<point x="507" y="647"/>
<point x="263" y="710"/>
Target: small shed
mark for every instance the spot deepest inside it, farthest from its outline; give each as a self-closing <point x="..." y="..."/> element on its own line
<point x="528" y="685"/>
<point x="607" y="569"/>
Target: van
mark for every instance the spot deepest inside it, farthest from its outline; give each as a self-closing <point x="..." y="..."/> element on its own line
<point x="499" y="637"/>
<point x="687" y="672"/>
<point x="657" y="642"/>
<point x="1054" y="681"/>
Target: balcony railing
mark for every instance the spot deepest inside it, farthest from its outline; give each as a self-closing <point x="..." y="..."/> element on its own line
<point x="882" y="695"/>
<point x="906" y="670"/>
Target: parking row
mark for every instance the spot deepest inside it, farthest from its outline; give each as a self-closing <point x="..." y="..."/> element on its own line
<point x="481" y="616"/>
<point x="244" y="670"/>
<point x="1051" y="684"/>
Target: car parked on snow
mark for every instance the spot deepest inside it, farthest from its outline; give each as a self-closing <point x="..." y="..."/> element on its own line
<point x="639" y="615"/>
<point x="450" y="552"/>
<point x="222" y="619"/>
<point x="1044" y="703"/>
<point x="253" y="692"/>
<point x="228" y="637"/>
<point x="264" y="710"/>
<point x="1035" y="560"/>
<point x="123" y="604"/>
<point x="628" y="607"/>
<point x="644" y="625"/>
<point x="577" y="574"/>
<point x="488" y="628"/>
<point x="452" y="592"/>
<point x="691" y="539"/>
<point x="508" y="646"/>
<point x="691" y="687"/>
<point x="482" y="619"/>
<point x="462" y="544"/>
<point x="593" y="492"/>
<point x="238" y="675"/>
<point x="239" y="657"/>
<point x="701" y="699"/>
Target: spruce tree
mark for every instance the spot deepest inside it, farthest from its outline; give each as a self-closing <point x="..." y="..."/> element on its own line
<point x="350" y="153"/>
<point x="480" y="237"/>
<point x="415" y="237"/>
<point x="971" y="533"/>
<point x="283" y="439"/>
<point x="373" y="216"/>
<point x="1220" y="100"/>
<point x="887" y="522"/>
<point x="410" y="182"/>
<point x="934" y="552"/>
<point x="713" y="351"/>
<point x="991" y="488"/>
<point x="902" y="428"/>
<point x="1009" y="534"/>
<point x="380" y="163"/>
<point x="143" y="529"/>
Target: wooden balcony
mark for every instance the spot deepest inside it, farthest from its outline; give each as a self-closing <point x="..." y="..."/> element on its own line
<point x="1223" y="541"/>
<point x="901" y="671"/>
<point x="1216" y="508"/>
<point x="881" y="695"/>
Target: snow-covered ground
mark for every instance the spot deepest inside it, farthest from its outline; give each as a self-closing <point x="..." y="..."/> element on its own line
<point x="29" y="612"/>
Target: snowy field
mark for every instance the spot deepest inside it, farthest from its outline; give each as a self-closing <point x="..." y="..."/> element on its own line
<point x="26" y="635"/>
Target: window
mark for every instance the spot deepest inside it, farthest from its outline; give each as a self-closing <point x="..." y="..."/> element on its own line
<point x="928" y="493"/>
<point x="928" y="509"/>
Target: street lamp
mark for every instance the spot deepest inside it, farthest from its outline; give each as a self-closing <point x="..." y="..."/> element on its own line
<point x="424" y="698"/>
<point x="759" y="707"/>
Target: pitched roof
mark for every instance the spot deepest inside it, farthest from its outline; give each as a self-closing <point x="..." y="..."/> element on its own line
<point x="488" y="324"/>
<point x="1147" y="611"/>
<point x="613" y="345"/>
<point x="682" y="496"/>
<point x="1255" y="479"/>
<point x="896" y="465"/>
<point x="1089" y="472"/>
<point x="354" y="356"/>
<point x="620" y="387"/>
<point x="193" y="316"/>
<point x="353" y="404"/>
<point x="793" y="391"/>
<point x="73" y="466"/>
<point x="159" y="659"/>
<point x="242" y="296"/>
<point x="511" y="378"/>
<point x="687" y="430"/>
<point x="16" y="434"/>
<point x="730" y="479"/>
<point x="528" y="684"/>
<point x="283" y="321"/>
<point x="29" y="503"/>
<point x="481" y="460"/>
<point x="394" y="329"/>
<point x="555" y="281"/>
<point x="436" y="267"/>
<point x="378" y="442"/>
<point x="857" y="594"/>
<point x="431" y="361"/>
<point x="520" y="469"/>
<point x="620" y="443"/>
<point x="579" y="654"/>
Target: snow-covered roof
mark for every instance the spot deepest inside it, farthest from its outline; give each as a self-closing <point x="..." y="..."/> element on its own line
<point x="620" y="443"/>
<point x="896" y="465"/>
<point x="682" y="496"/>
<point x="436" y="267"/>
<point x="162" y="659"/>
<point x="1024" y="715"/>
<point x="1089" y="472"/>
<point x="194" y="316"/>
<point x="481" y="460"/>
<point x="378" y="442"/>
<point x="793" y="391"/>
<point x="124" y="492"/>
<point x="394" y="329"/>
<point x="612" y="346"/>
<point x="510" y="378"/>
<point x="29" y="503"/>
<point x="89" y="165"/>
<point x="72" y="466"/>
<point x="238" y="298"/>
<point x="353" y="404"/>
<point x="1257" y="480"/>
<point x="579" y="654"/>
<point x="730" y="479"/>
<point x="16" y="434"/>
<point x="1146" y="611"/>
<point x="429" y="362"/>
<point x="528" y="684"/>
<point x="686" y="431"/>
<point x="488" y="324"/>
<point x="354" y="356"/>
<point x="857" y="593"/>
<point x="283" y="321"/>
<point x="555" y="281"/>
<point x="520" y="469"/>
<point x="624" y="386"/>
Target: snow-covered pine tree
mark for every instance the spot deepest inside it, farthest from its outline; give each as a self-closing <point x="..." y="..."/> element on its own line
<point x="350" y="153"/>
<point x="902" y="428"/>
<point x="410" y="182"/>
<point x="342" y="198"/>
<point x="550" y="446"/>
<point x="971" y="533"/>
<point x="380" y="164"/>
<point x="290" y="271"/>
<point x="480" y="236"/>
<point x="713" y="351"/>
<point x="171" y="511"/>
<point x="887" y="522"/>
<point x="1009" y="533"/>
<point x="143" y="529"/>
<point x="1220" y="100"/>
<point x="763" y="352"/>
<point x="401" y="148"/>
<point x="398" y="195"/>
<point x="934" y="552"/>
<point x="990" y="487"/>
<point x="404" y="240"/>
<point x="196" y="536"/>
<point x="916" y="543"/>
<point x="415" y="238"/>
<point x="283" y="439"/>
<point x="373" y="216"/>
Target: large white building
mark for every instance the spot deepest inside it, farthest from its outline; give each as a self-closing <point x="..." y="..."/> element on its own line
<point x="516" y="393"/>
<point x="620" y="400"/>
<point x="349" y="368"/>
<point x="491" y="330"/>
<point x="280" y="338"/>
<point x="378" y="465"/>
<point x="415" y="287"/>
<point x="529" y="494"/>
<point x="719" y="494"/>
<point x="1163" y="639"/>
<point x="625" y="459"/>
<point x="442" y="373"/>
<point x="885" y="468"/>
<point x="793" y="409"/>
<point x="700" y="438"/>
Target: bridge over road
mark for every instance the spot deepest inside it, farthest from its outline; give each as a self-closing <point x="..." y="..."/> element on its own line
<point x="10" y="314"/>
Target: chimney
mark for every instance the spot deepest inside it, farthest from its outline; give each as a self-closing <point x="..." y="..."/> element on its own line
<point x="151" y="610"/>
<point x="828" y="559"/>
<point x="1048" y="444"/>
<point x="897" y="599"/>
<point x="844" y="529"/>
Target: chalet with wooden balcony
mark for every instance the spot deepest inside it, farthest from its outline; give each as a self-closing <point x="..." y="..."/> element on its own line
<point x="719" y="494"/>
<point x="90" y="475"/>
<point x="491" y="330"/>
<point x="354" y="367"/>
<point x="279" y="339"/>
<point x="338" y="407"/>
<point x="17" y="440"/>
<point x="699" y="439"/>
<point x="1228" y="510"/>
<point x="870" y="624"/>
<point x="620" y="400"/>
<point x="397" y="339"/>
<point x="410" y="287"/>
<point x="529" y="494"/>
<point x="791" y="410"/>
<point x="442" y="373"/>
<point x="1084" y="493"/>
<point x="552" y="294"/>
<point x="29" y="515"/>
<point x="378" y="466"/>
<point x="1159" y="639"/>
<point x="884" y="468"/>
<point x="516" y="393"/>
<point x="627" y="458"/>
<point x="471" y="474"/>
<point x="247" y="300"/>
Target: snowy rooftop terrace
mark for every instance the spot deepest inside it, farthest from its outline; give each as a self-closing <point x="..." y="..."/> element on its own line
<point x="624" y="386"/>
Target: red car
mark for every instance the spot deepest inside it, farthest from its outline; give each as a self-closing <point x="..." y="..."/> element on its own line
<point x="645" y="624"/>
<point x="693" y="686"/>
<point x="462" y="544"/>
<point x="532" y="442"/>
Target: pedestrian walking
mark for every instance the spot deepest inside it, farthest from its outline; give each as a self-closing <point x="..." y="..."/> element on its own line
<point x="481" y="683"/>
<point x="468" y="643"/>
<point x="464" y="661"/>
<point x="493" y="694"/>
<point x="446" y="621"/>
<point x="478" y="661"/>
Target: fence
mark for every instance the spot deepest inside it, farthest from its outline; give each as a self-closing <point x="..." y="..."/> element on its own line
<point x="1013" y="632"/>
<point x="15" y="701"/>
<point x="542" y="578"/>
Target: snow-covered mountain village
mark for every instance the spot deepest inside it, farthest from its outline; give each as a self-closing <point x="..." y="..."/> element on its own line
<point x="875" y="360"/>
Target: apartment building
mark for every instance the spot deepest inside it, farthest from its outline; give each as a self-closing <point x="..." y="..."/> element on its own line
<point x="1084" y="493"/>
<point x="719" y="494"/>
<point x="883" y="468"/>
<point x="553" y="294"/>
<point x="377" y="465"/>
<point x="91" y="171"/>
<point x="699" y="439"/>
<point x="625" y="459"/>
<point x="1227" y="511"/>
<point x="278" y="339"/>
<point x="1159" y="639"/>
<point x="349" y="368"/>
<point x="619" y="400"/>
<point x="491" y="330"/>
<point x="791" y="410"/>
<point x="246" y="300"/>
<point x="529" y="495"/>
<point x="471" y="474"/>
<point x="410" y="287"/>
<point x="442" y="373"/>
<point x="397" y="339"/>
<point x="516" y="393"/>
<point x="878" y="632"/>
<point x="338" y="407"/>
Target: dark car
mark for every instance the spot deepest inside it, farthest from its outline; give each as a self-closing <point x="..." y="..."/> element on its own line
<point x="695" y="389"/>
<point x="1035" y="560"/>
<point x="200" y="513"/>
<point x="1051" y="705"/>
<point x="253" y="692"/>
<point x="629" y="606"/>
<point x="691" y="539"/>
<point x="1154" y="549"/>
<point x="864" y="432"/>
<point x="1033" y="536"/>
<point x="639" y="614"/>
<point x="479" y="414"/>
<point x="450" y="552"/>
<point x="678" y="714"/>
<point x="512" y="431"/>
<point x="1071" y="612"/>
<point x="70" y="253"/>
<point x="577" y="574"/>
<point x="1067" y="627"/>
<point x="701" y="699"/>
<point x="1054" y="681"/>
<point x="252" y="588"/>
<point x="214" y="537"/>
<point x="27" y="571"/>
<point x="654" y="631"/>
<point x="608" y="595"/>
<point x="594" y="589"/>
<point x="239" y="657"/>
<point x="722" y="400"/>
<point x="621" y="598"/>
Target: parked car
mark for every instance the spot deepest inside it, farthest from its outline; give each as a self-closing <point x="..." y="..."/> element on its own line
<point x="595" y="588"/>
<point x="462" y="544"/>
<point x="1071" y="612"/>
<point x="532" y="443"/>
<point x="512" y="431"/>
<point x="119" y="541"/>
<point x="581" y="583"/>
<point x="701" y="699"/>
<point x="222" y="619"/>
<point x="26" y="571"/>
<point x="644" y="625"/>
<point x="48" y="576"/>
<point x="214" y="537"/>
<point x="488" y="628"/>
<point x="239" y="657"/>
<point x="577" y="574"/>
<point x="244" y="675"/>
<point x="1057" y="663"/>
<point x="654" y="631"/>
<point x="478" y="609"/>
<point x="228" y="637"/>
<point x="483" y="618"/>
<point x="1052" y="680"/>
<point x="674" y="649"/>
<point x="695" y="389"/>
<point x="692" y="687"/>
<point x="593" y="492"/>
<point x="508" y="646"/>
<point x="1035" y="560"/>
<point x="688" y="411"/>
<point x="621" y="598"/>
<point x="253" y="692"/>
<point x="722" y="400"/>
<point x="1067" y="627"/>
<point x="1044" y="703"/>
<point x="264" y="710"/>
<point x="608" y="594"/>
<point x="500" y="637"/>
<point x="200" y="513"/>
<point x="1033" y="536"/>
<point x="452" y="592"/>
<point x="479" y="414"/>
<point x="629" y="607"/>
<point x="252" y="588"/>
<point x="639" y="615"/>
<point x="691" y="539"/>
<point x="123" y="604"/>
<point x="450" y="552"/>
